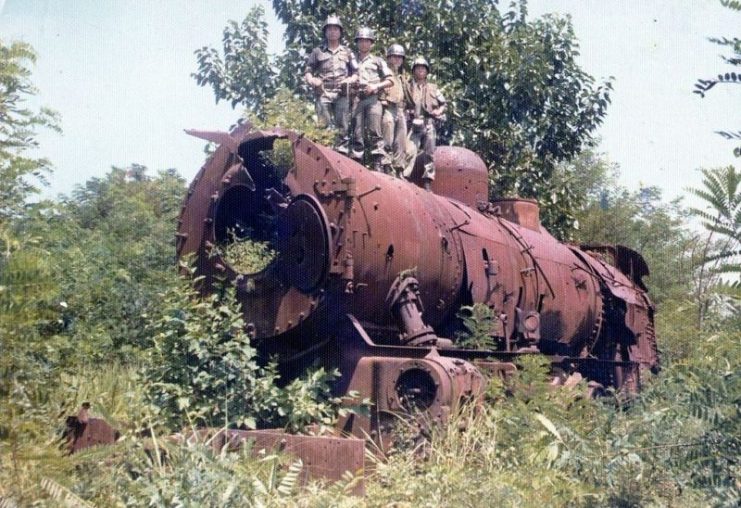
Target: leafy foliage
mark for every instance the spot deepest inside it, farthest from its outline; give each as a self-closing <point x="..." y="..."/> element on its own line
<point x="108" y="276"/>
<point x="19" y="173"/>
<point x="29" y="357"/>
<point x="290" y="111"/>
<point x="721" y="193"/>
<point x="725" y="78"/>
<point x="246" y="255"/>
<point x="203" y="371"/>
<point x="478" y="321"/>
<point x="243" y="74"/>
<point x="641" y="221"/>
<point x="194" y="474"/>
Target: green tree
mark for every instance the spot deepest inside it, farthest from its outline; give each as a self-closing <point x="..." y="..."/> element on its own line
<point x="242" y="73"/>
<point x="725" y="78"/>
<point x="721" y="250"/>
<point x="721" y="193"/>
<point x="517" y="96"/>
<point x="112" y="248"/>
<point x="641" y="221"/>
<point x="28" y="290"/>
<point x="575" y="186"/>
<point x="20" y="173"/>
<point x="203" y="370"/>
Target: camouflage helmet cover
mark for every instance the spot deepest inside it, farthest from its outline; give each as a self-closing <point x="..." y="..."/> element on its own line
<point x="332" y="20"/>
<point x="396" y="50"/>
<point x="365" y="33"/>
<point x="421" y="61"/>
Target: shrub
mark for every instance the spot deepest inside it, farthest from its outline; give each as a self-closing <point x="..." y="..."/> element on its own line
<point x="203" y="370"/>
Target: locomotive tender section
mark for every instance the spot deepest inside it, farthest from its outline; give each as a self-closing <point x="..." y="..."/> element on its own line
<point x="346" y="239"/>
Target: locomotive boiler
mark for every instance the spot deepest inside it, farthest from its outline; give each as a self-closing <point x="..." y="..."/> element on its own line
<point x="370" y="273"/>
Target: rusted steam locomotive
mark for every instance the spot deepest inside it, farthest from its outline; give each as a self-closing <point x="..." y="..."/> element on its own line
<point x="371" y="272"/>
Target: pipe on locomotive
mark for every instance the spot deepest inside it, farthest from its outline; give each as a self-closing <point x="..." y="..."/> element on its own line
<point x="345" y="235"/>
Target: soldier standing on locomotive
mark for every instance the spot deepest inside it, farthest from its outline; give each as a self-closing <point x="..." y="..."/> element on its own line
<point x="426" y="107"/>
<point x="394" y="121"/>
<point x="373" y="76"/>
<point x="329" y="71"/>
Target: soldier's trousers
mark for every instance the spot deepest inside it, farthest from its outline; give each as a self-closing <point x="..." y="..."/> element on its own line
<point x="423" y="142"/>
<point x="394" y="128"/>
<point x="367" y="120"/>
<point x="333" y="112"/>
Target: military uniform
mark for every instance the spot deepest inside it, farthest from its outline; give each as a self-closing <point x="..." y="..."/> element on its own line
<point x="372" y="70"/>
<point x="422" y="99"/>
<point x="332" y="100"/>
<point x="394" y="124"/>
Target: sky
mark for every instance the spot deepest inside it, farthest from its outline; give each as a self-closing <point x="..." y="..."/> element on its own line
<point x="118" y="72"/>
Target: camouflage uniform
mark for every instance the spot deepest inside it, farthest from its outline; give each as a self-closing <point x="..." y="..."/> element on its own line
<point x="422" y="99"/>
<point x="393" y="123"/>
<point x="332" y="100"/>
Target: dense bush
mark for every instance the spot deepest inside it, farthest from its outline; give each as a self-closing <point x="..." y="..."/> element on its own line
<point x="110" y="245"/>
<point x="202" y="370"/>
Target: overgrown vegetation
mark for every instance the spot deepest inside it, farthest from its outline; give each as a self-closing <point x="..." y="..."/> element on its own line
<point x="677" y="445"/>
<point x="245" y="255"/>
<point x="92" y="310"/>
<point x="201" y="369"/>
<point x="478" y="321"/>
<point x="726" y="76"/>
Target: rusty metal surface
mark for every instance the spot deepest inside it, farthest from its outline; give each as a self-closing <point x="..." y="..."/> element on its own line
<point x="82" y="431"/>
<point x="323" y="457"/>
<point x="524" y="212"/>
<point x="345" y="235"/>
<point x="460" y="174"/>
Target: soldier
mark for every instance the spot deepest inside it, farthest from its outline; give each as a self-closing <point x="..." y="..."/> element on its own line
<point x="373" y="76"/>
<point x="426" y="106"/>
<point x="329" y="71"/>
<point x="394" y="122"/>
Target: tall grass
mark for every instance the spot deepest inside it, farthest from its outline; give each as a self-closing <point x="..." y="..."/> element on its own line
<point x="531" y="445"/>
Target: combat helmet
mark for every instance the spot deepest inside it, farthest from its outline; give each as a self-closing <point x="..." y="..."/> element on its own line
<point x="332" y="20"/>
<point x="365" y="33"/>
<point x="396" y="50"/>
<point x="420" y="60"/>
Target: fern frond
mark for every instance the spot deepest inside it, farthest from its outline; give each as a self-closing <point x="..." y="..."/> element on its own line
<point x="291" y="479"/>
<point x="62" y="494"/>
<point x="6" y="502"/>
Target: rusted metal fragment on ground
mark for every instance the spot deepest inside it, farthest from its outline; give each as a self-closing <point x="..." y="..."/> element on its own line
<point x="84" y="432"/>
<point x="323" y="457"/>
